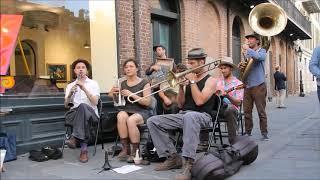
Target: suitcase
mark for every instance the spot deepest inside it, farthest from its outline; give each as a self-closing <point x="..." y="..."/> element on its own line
<point x="216" y="165"/>
<point x="247" y="149"/>
<point x="226" y="160"/>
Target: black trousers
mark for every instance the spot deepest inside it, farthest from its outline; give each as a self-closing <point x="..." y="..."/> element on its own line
<point x="83" y="119"/>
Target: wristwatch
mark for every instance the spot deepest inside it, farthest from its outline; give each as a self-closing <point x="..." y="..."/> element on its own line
<point x="192" y="82"/>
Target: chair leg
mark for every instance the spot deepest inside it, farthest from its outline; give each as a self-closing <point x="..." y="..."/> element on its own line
<point x="64" y="140"/>
<point x="95" y="143"/>
<point x="218" y="128"/>
<point x="220" y="134"/>
<point x="241" y="123"/>
<point x="177" y="141"/>
<point x="101" y="135"/>
<point x="115" y="146"/>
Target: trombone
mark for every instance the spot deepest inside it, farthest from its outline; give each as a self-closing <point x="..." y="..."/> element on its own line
<point x="172" y="79"/>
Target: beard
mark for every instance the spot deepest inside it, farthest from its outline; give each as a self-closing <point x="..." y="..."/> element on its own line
<point x="227" y="75"/>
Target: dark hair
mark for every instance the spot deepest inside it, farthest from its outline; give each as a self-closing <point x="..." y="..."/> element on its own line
<point x="133" y="61"/>
<point x="88" y="66"/>
<point x="130" y="60"/>
<point x="228" y="65"/>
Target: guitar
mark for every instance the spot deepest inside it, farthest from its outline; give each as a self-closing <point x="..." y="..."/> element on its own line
<point x="238" y="87"/>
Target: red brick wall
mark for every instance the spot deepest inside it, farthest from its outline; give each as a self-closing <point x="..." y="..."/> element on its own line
<point x="125" y="30"/>
<point x="145" y="34"/>
<point x="203" y="24"/>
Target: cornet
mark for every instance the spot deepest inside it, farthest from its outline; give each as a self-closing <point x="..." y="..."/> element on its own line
<point x="118" y="99"/>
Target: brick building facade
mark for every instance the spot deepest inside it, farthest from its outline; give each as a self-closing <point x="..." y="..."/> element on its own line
<point x="217" y="26"/>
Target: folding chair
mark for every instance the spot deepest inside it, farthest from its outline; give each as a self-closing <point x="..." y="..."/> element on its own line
<point x="240" y="118"/>
<point x="69" y="130"/>
<point x="221" y="119"/>
<point x="99" y="127"/>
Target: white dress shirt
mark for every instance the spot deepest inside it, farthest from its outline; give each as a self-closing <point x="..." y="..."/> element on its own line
<point x="81" y="97"/>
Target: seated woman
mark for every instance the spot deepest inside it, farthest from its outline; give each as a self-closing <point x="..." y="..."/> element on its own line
<point x="132" y="114"/>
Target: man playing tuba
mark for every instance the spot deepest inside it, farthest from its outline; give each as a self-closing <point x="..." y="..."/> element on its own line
<point x="256" y="90"/>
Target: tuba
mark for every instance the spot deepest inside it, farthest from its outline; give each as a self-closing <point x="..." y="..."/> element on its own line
<point x="266" y="19"/>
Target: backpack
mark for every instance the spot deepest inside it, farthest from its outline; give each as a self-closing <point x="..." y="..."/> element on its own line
<point x="45" y="154"/>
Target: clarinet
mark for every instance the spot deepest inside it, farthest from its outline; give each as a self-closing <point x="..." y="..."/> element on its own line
<point x="71" y="103"/>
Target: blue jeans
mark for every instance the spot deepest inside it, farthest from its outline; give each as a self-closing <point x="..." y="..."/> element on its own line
<point x="319" y="93"/>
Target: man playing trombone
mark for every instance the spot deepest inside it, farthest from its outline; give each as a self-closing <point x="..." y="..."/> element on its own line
<point x="196" y="103"/>
<point x="81" y="97"/>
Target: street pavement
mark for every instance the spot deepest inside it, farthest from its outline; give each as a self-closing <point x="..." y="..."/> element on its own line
<point x="293" y="152"/>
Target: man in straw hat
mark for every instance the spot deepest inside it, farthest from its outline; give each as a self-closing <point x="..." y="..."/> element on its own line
<point x="196" y="102"/>
<point x="256" y="89"/>
<point x="233" y="98"/>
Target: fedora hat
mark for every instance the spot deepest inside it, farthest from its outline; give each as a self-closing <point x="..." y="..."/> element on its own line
<point x="196" y="53"/>
<point x="228" y="61"/>
<point x="255" y="35"/>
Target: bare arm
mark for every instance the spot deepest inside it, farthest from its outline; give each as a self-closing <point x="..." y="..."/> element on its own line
<point x="92" y="98"/>
<point x="233" y="100"/>
<point x="164" y="98"/>
<point x="144" y="101"/>
<point x="69" y="92"/>
<point x="181" y="96"/>
<point x="201" y="97"/>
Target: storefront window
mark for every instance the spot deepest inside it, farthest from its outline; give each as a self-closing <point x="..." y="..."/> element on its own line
<point x="52" y="35"/>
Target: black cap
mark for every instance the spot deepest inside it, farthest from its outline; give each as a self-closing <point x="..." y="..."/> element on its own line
<point x="159" y="45"/>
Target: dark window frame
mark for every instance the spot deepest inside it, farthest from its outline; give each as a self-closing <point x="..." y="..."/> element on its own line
<point x="173" y="18"/>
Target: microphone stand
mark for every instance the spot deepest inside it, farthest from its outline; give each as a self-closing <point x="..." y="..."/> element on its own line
<point x="106" y="166"/>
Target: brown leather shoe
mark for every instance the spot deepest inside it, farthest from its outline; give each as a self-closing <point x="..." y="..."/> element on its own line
<point x="83" y="156"/>
<point x="173" y="162"/>
<point x="71" y="143"/>
<point x="123" y="155"/>
<point x="186" y="170"/>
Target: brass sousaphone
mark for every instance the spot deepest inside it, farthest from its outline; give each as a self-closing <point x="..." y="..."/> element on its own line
<point x="266" y="19"/>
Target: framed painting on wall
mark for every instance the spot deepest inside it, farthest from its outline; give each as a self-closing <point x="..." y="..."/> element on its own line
<point x="57" y="72"/>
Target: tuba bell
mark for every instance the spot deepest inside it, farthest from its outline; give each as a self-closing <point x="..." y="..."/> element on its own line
<point x="266" y="19"/>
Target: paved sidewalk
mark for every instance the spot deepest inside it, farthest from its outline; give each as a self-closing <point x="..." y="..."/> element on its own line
<point x="293" y="152"/>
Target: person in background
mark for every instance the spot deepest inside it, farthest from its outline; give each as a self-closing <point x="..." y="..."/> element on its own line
<point x="164" y="100"/>
<point x="314" y="67"/>
<point x="280" y="87"/>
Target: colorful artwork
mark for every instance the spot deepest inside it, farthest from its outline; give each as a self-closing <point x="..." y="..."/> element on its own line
<point x="57" y="72"/>
<point x="10" y="25"/>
